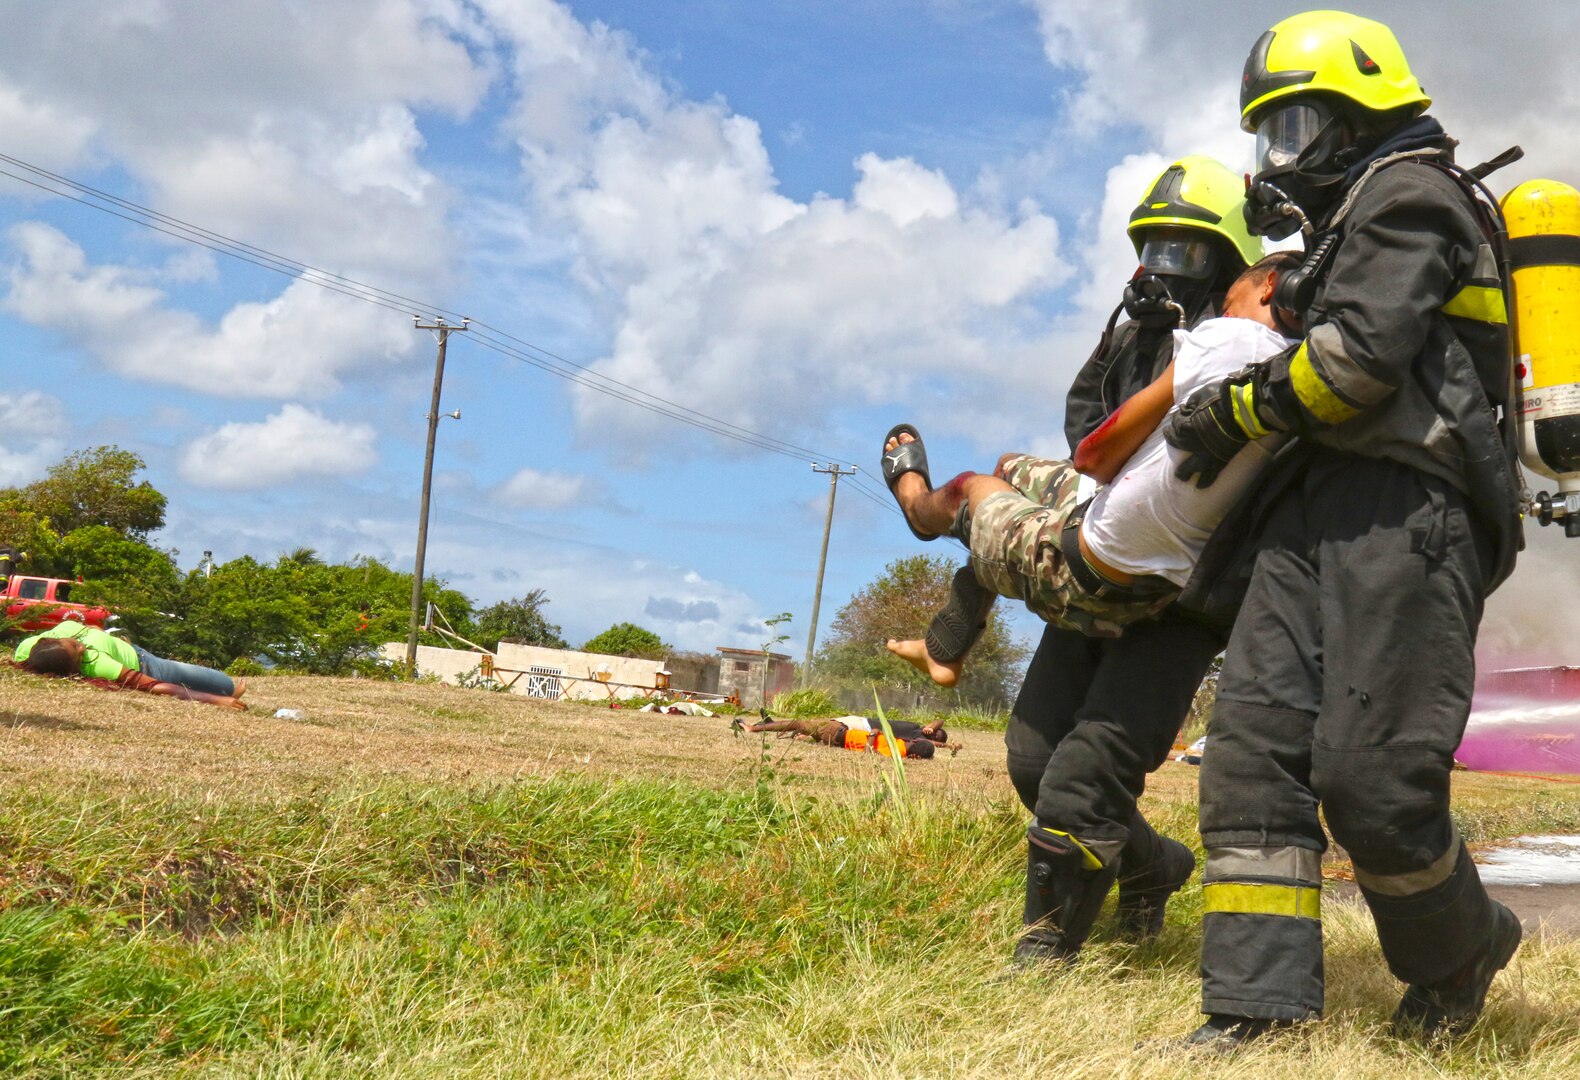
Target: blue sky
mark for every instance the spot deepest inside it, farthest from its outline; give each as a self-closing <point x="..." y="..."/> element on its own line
<point x="812" y="220"/>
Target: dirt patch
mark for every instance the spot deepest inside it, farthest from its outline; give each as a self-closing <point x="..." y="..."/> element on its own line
<point x="199" y="892"/>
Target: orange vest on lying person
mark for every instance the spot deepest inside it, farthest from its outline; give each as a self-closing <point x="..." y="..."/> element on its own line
<point x="858" y="740"/>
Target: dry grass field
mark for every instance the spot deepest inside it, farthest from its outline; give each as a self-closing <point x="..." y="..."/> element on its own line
<point x="418" y="880"/>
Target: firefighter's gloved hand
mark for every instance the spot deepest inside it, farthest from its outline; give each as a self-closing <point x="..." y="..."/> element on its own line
<point x="1213" y="423"/>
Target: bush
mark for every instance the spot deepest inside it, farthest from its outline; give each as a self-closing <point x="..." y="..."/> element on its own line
<point x="628" y="639"/>
<point x="811" y="701"/>
<point x="245" y="667"/>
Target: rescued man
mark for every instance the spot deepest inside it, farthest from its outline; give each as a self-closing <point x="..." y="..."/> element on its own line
<point x="1094" y="568"/>
<point x="1099" y="565"/>
<point x="1094" y="716"/>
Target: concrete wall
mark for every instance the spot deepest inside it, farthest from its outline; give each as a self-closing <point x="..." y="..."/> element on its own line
<point x="448" y="664"/>
<point x="578" y="668"/>
<point x="643" y="674"/>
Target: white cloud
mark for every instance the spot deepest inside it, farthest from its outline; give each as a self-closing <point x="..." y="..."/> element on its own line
<point x="31" y="425"/>
<point x="903" y="191"/>
<point x="18" y="467"/>
<point x="289" y="126"/>
<point x="31" y="412"/>
<point x="593" y="589"/>
<point x="278" y="121"/>
<point x="726" y="292"/>
<point x="293" y="443"/>
<point x="42" y="132"/>
<point x="530" y="489"/>
<point x="300" y="343"/>
<point x="1173" y="70"/>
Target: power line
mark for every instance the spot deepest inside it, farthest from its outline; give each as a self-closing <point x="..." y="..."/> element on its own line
<point x="484" y="334"/>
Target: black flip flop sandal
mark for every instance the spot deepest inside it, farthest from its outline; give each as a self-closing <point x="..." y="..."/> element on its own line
<point x="905" y="458"/>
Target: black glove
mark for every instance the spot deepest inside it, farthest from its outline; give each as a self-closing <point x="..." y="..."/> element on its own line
<point x="1213" y="423"/>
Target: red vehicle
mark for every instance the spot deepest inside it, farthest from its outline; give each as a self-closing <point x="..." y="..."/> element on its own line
<point x="40" y="603"/>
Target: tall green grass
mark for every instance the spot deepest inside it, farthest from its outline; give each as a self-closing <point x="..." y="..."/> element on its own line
<point x="578" y="927"/>
<point x="174" y="928"/>
<point x="807" y="702"/>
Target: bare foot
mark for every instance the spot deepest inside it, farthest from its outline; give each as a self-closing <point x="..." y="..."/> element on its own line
<point x="915" y="653"/>
<point x="241" y="688"/>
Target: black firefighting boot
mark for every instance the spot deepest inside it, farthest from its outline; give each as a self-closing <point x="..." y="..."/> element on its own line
<point x="1224" y="1034"/>
<point x="1151" y="869"/>
<point x="1065" y="887"/>
<point x="1449" y="1007"/>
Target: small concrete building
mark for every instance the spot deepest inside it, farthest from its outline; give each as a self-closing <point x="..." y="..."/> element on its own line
<point x="741" y="671"/>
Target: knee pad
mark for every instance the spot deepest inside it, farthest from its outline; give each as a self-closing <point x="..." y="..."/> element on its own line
<point x="1387" y="806"/>
<point x="963" y="618"/>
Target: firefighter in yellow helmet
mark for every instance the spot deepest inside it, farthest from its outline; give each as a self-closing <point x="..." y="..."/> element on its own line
<point x="1347" y="680"/>
<point x="1095" y="716"/>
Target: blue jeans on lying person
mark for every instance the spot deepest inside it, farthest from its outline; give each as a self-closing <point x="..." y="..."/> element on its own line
<point x="191" y="676"/>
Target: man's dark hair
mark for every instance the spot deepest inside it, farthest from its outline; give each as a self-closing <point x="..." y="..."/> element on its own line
<point x="919" y="748"/>
<point x="1268" y="265"/>
<point x="50" y="657"/>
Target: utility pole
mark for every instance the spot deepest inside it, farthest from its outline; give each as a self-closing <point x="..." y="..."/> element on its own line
<point x="834" y="473"/>
<point x="443" y="331"/>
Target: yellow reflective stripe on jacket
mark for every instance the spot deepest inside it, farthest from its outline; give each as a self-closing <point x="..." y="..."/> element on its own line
<point x="1483" y="303"/>
<point x="1314" y="393"/>
<point x="1240" y="898"/>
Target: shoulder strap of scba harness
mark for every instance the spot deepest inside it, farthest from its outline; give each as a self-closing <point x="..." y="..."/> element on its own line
<point x="1496" y="230"/>
<point x="1489" y="215"/>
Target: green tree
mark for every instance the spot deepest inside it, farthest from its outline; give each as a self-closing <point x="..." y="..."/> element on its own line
<point x="140" y="583"/>
<point x="30" y="535"/>
<point x="520" y="620"/>
<point x="242" y="609"/>
<point x="628" y="639"/>
<point x="94" y="487"/>
<point x="900" y="603"/>
<point x="326" y="619"/>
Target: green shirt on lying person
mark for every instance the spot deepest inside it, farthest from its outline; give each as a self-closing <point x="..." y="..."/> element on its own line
<point x="105" y="657"/>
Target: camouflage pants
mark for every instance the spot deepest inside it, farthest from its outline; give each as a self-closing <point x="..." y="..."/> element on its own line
<point x="1015" y="551"/>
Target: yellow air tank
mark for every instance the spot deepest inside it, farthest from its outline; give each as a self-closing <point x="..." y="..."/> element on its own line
<point x="1543" y="219"/>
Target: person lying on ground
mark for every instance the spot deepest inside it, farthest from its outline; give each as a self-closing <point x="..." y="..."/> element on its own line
<point x="933" y="730"/>
<point x="1123" y="555"/>
<point x="837" y="732"/>
<point x="74" y="649"/>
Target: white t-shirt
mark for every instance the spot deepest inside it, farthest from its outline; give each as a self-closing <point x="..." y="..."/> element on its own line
<point x="1148" y="522"/>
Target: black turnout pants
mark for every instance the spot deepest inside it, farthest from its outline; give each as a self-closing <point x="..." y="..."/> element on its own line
<point x="1095" y="716"/>
<point x="1346" y="686"/>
